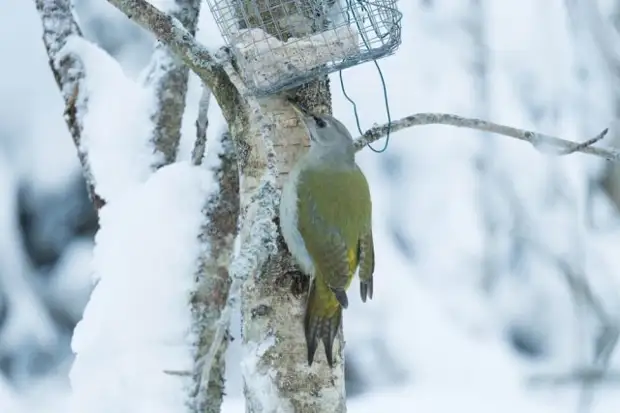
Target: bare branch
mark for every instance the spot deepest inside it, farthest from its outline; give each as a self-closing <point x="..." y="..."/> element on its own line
<point x="580" y="375"/>
<point x="202" y="122"/>
<point x="58" y="26"/>
<point x="171" y="32"/>
<point x="538" y="140"/>
<point x="167" y="76"/>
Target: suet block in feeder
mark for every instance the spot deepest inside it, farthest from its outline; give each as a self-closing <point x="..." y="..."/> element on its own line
<point x="280" y="44"/>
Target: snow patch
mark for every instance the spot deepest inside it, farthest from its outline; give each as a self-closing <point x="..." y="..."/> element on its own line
<point x="117" y="121"/>
<point x="138" y="321"/>
<point x="258" y="382"/>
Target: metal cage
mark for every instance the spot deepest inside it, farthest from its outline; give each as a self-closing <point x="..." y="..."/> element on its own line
<point x="280" y="44"/>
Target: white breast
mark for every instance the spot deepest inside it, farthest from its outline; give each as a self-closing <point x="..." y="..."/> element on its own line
<point x="288" y="224"/>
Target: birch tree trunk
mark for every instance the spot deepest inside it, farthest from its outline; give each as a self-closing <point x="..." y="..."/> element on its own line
<point x="275" y="371"/>
<point x="274" y="367"/>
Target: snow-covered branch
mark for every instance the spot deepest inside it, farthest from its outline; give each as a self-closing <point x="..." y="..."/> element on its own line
<point x="107" y="113"/>
<point x="170" y="31"/>
<point x="136" y="325"/>
<point x="167" y="77"/>
<point x="545" y="143"/>
<point x="218" y="236"/>
<point x="58" y="26"/>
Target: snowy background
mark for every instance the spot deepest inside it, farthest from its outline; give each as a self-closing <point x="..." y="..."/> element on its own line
<point x="477" y="236"/>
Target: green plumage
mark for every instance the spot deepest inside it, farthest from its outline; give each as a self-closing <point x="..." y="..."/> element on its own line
<point x="334" y="220"/>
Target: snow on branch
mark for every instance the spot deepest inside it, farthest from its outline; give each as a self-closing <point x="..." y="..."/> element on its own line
<point x="137" y="324"/>
<point x="545" y="143"/>
<point x="59" y="25"/>
<point x="259" y="199"/>
<point x="108" y="114"/>
<point x="217" y="236"/>
<point x="117" y="128"/>
<point x="171" y="32"/>
<point x="166" y="76"/>
<point x="258" y="242"/>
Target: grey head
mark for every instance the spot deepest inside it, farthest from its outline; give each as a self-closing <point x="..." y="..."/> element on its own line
<point x="329" y="138"/>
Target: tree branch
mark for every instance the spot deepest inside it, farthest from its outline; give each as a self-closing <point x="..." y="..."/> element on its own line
<point x="58" y="26"/>
<point x="545" y="143"/>
<point x="167" y="77"/>
<point x="171" y="32"/>
<point x="218" y="235"/>
<point x="202" y="123"/>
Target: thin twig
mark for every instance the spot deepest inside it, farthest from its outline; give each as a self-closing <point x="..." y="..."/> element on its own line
<point x="202" y="123"/>
<point x="583" y="145"/>
<point x="538" y="140"/>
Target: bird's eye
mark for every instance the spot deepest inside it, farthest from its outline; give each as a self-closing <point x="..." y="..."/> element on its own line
<point x="320" y="122"/>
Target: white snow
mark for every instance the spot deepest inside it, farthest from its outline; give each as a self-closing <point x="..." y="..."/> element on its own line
<point x="138" y="323"/>
<point x="261" y="382"/>
<point x="168" y="6"/>
<point x="117" y="125"/>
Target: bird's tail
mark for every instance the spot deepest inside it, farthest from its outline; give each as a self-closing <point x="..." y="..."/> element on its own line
<point x="322" y="319"/>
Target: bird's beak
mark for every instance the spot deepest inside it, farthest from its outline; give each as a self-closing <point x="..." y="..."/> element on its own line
<point x="304" y="112"/>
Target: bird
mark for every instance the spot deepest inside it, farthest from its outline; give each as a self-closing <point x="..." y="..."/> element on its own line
<point x="326" y="222"/>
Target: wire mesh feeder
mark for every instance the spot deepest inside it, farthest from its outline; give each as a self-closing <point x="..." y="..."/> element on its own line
<point x="280" y="44"/>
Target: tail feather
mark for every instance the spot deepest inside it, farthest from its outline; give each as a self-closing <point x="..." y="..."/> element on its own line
<point x="322" y="321"/>
<point x="366" y="288"/>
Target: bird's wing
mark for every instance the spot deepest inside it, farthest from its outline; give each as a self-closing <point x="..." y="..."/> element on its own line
<point x="327" y="223"/>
